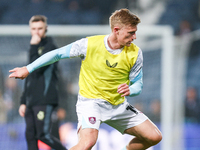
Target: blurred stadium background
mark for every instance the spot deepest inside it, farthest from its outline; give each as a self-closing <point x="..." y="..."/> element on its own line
<point x="169" y="36"/>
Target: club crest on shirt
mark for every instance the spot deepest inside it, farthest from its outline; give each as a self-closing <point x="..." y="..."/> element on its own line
<point x="92" y="120"/>
<point x="40" y="115"/>
<point x="40" y="49"/>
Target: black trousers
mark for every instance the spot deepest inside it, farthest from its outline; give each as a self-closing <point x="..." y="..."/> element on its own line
<point x="38" y="127"/>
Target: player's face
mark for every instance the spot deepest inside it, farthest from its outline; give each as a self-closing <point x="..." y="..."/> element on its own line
<point x="38" y="28"/>
<point x="126" y="35"/>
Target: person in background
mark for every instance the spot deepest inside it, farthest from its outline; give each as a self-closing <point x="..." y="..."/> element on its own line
<point x="40" y="96"/>
<point x="3" y="115"/>
<point x="11" y="97"/>
<point x="154" y="112"/>
<point x="184" y="28"/>
<point x="111" y="69"/>
<point x="192" y="111"/>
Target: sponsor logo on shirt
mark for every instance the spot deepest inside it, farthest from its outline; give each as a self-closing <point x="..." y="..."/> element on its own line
<point x="111" y="66"/>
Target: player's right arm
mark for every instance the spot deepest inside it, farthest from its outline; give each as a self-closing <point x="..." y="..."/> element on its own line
<point x="19" y="73"/>
<point x="76" y="49"/>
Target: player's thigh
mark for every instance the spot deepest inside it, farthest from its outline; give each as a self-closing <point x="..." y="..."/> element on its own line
<point x="87" y="137"/>
<point x="145" y="130"/>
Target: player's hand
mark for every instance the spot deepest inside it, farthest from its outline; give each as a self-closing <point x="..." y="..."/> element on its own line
<point x="22" y="110"/>
<point x="35" y="39"/>
<point x="123" y="89"/>
<point x="19" y="73"/>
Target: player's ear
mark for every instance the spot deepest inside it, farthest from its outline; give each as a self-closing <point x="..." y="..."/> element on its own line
<point x="116" y="29"/>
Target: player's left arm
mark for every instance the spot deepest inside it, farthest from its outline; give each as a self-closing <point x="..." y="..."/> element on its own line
<point x="135" y="77"/>
<point x="135" y="87"/>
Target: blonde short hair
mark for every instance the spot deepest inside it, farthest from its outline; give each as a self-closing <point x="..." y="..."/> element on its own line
<point x="123" y="17"/>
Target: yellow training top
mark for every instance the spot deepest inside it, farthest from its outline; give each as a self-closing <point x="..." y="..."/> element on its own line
<point x="102" y="72"/>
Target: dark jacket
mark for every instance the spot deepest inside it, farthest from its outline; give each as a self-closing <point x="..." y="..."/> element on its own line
<point x="41" y="85"/>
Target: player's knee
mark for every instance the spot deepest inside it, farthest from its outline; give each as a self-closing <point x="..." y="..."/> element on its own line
<point x="155" y="139"/>
<point x="88" y="145"/>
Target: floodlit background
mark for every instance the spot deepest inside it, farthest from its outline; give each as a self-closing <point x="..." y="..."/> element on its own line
<point x="181" y="16"/>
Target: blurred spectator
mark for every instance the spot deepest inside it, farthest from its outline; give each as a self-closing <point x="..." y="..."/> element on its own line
<point x="58" y="0"/>
<point x="66" y="133"/>
<point x="65" y="11"/>
<point x="192" y="112"/>
<point x="88" y="5"/>
<point x="1" y="81"/>
<point x="154" y="113"/>
<point x="11" y="98"/>
<point x="184" y="28"/>
<point x="73" y="5"/>
<point x="139" y="106"/>
<point x="2" y="109"/>
<point x="2" y="103"/>
<point x="57" y="117"/>
<point x="36" y="1"/>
